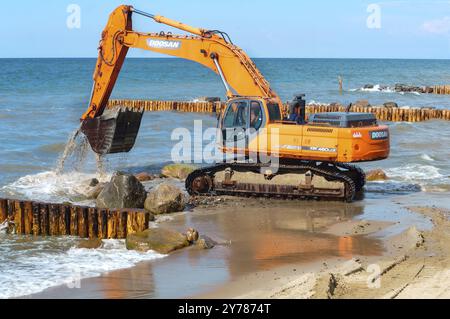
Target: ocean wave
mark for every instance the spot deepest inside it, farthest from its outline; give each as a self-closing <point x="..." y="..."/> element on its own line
<point x="392" y="187"/>
<point x="52" y="187"/>
<point x="415" y="172"/>
<point x="427" y="158"/>
<point x="377" y="88"/>
<point x="44" y="265"/>
<point x="381" y="89"/>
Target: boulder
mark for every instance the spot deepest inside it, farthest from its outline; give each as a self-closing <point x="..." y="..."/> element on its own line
<point x="204" y="242"/>
<point x="428" y="90"/>
<point x="160" y="240"/>
<point x="368" y="86"/>
<point x="165" y="199"/>
<point x="95" y="191"/>
<point x="93" y="182"/>
<point x="390" y="105"/>
<point x="192" y="235"/>
<point x="90" y="243"/>
<point x="123" y="191"/>
<point x="179" y="171"/>
<point x="144" y="177"/>
<point x="361" y="103"/>
<point x="376" y="175"/>
<point x="401" y="87"/>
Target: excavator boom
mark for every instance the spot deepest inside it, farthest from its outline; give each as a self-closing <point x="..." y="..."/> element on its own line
<point x="115" y="131"/>
<point x="238" y="72"/>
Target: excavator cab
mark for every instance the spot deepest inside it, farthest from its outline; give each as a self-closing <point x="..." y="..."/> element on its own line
<point x="243" y="117"/>
<point x="115" y="131"/>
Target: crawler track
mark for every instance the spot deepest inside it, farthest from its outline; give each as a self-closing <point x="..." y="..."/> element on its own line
<point x="350" y="178"/>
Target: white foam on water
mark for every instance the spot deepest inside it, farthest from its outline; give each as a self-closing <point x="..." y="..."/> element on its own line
<point x="377" y="88"/>
<point x="382" y="89"/>
<point x="52" y="186"/>
<point x="4" y="227"/>
<point x="314" y="102"/>
<point x="414" y="93"/>
<point x="427" y="157"/>
<point x="414" y="173"/>
<point x="42" y="265"/>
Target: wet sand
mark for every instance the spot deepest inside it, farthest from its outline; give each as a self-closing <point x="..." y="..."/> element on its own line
<point x="416" y="266"/>
<point x="272" y="243"/>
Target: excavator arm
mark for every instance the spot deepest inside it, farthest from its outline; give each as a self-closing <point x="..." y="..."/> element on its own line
<point x="209" y="48"/>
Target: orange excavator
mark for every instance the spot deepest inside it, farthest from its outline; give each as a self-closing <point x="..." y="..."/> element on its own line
<point x="312" y="156"/>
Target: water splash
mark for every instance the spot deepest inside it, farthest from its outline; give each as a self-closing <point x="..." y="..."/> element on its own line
<point x="76" y="151"/>
<point x="70" y="148"/>
<point x="101" y="166"/>
<point x="4" y="227"/>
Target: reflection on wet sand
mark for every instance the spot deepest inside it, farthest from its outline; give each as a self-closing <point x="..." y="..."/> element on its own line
<point x="264" y="234"/>
<point x="276" y="234"/>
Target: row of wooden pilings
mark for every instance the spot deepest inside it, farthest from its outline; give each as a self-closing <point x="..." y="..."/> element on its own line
<point x="382" y="113"/>
<point x="42" y="219"/>
<point x="388" y="114"/>
<point x="441" y="89"/>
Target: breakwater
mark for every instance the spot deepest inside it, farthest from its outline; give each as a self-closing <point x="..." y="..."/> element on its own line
<point x="44" y="219"/>
<point x="382" y="113"/>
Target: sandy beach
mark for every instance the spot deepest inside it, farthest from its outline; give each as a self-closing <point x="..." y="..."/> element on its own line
<point x="282" y="249"/>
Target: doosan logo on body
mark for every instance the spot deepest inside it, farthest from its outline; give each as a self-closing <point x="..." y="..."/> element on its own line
<point x="164" y="44"/>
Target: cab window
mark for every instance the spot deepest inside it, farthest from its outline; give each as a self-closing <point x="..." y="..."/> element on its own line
<point x="256" y="115"/>
<point x="274" y="112"/>
<point x="237" y="115"/>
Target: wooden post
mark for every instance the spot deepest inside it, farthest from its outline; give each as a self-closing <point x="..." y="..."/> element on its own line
<point x="3" y="210"/>
<point x="19" y="219"/>
<point x="64" y="220"/>
<point x="43" y="211"/>
<point x="102" y="223"/>
<point x="28" y="218"/>
<point x="73" y="221"/>
<point x="122" y="225"/>
<point x="53" y="220"/>
<point x="93" y="222"/>
<point x="82" y="213"/>
<point x="36" y="219"/>
<point x="112" y="225"/>
<point x="137" y="221"/>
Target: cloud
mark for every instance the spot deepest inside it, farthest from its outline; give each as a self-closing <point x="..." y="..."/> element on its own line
<point x="438" y="26"/>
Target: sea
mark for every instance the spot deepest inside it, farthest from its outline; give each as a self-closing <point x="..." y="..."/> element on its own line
<point x="41" y="101"/>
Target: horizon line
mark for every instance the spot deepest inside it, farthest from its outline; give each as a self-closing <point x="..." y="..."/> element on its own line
<point x="279" y="58"/>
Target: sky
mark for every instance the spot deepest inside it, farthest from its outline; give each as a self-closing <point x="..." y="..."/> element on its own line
<point x="263" y="28"/>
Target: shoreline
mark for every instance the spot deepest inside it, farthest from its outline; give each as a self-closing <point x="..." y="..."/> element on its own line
<point x="224" y="272"/>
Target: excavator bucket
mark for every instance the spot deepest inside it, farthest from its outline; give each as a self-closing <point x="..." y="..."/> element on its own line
<point x="115" y="131"/>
